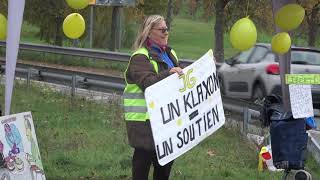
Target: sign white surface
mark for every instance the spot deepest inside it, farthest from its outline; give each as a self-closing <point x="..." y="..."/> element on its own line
<point x="301" y="101"/>
<point x="19" y="148"/>
<point x="185" y="110"/>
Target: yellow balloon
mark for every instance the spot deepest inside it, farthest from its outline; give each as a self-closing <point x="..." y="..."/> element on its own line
<point x="78" y="4"/>
<point x="3" y="27"/>
<point x="243" y="34"/>
<point x="289" y="17"/>
<point x="281" y="43"/>
<point x="74" y="26"/>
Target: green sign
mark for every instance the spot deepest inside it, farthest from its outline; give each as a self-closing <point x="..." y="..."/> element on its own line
<point x="302" y="78"/>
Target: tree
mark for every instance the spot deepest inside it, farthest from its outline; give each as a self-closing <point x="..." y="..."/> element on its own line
<point x="208" y="8"/>
<point x="228" y="11"/>
<point x="149" y="7"/>
<point x="219" y="29"/>
<point x="258" y="10"/>
<point x="312" y="16"/>
<point x="313" y="22"/>
<point x="177" y="7"/>
<point x="192" y="5"/>
<point x="4" y="7"/>
<point x="48" y="16"/>
<point x="169" y="13"/>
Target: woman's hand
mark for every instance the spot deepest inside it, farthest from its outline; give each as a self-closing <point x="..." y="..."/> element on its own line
<point x="176" y="70"/>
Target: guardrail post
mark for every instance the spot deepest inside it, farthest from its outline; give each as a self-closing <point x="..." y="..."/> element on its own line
<point x="29" y="77"/>
<point x="246" y="119"/>
<point x="73" y="85"/>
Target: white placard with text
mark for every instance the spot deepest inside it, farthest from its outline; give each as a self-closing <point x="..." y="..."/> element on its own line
<point x="186" y="109"/>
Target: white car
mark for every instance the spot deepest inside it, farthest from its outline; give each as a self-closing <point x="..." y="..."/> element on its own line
<point x="254" y="74"/>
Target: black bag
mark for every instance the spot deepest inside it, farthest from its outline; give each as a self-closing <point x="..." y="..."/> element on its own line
<point x="269" y="104"/>
<point x="288" y="143"/>
<point x="288" y="135"/>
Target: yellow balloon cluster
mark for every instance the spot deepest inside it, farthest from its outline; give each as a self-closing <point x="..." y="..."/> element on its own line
<point x="243" y="34"/>
<point x="287" y="18"/>
<point x="74" y="26"/>
<point x="3" y="27"/>
<point x="78" y="4"/>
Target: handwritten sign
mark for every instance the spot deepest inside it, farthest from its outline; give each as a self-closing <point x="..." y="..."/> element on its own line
<point x="302" y="78"/>
<point x="185" y="110"/>
<point x="301" y="101"/>
<point x="19" y="148"/>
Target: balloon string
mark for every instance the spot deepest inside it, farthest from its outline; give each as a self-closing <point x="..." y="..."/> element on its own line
<point x="247" y="8"/>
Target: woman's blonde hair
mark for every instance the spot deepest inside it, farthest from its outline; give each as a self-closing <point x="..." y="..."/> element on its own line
<point x="145" y="29"/>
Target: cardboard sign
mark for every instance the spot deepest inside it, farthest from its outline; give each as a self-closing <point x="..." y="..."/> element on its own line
<point x="186" y="109"/>
<point x="302" y="78"/>
<point x="20" y="157"/>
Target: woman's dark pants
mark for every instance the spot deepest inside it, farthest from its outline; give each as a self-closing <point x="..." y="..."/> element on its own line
<point x="141" y="163"/>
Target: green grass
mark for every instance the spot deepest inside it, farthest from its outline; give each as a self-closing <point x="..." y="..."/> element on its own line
<point x="82" y="139"/>
<point x="29" y="33"/>
<point x="191" y="39"/>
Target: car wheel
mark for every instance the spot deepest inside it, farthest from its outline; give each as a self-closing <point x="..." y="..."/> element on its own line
<point x="258" y="93"/>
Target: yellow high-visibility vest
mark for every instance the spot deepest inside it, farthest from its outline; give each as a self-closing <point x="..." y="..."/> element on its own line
<point x="135" y="107"/>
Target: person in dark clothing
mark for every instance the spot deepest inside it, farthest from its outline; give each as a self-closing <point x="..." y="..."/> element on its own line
<point x="152" y="61"/>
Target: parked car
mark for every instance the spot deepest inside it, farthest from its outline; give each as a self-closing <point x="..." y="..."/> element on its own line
<point x="254" y="74"/>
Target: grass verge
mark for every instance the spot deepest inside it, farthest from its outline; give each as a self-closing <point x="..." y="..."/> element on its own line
<point x="81" y="139"/>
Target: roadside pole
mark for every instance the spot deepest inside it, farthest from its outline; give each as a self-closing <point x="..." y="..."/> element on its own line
<point x="116" y="27"/>
<point x="284" y="60"/>
<point x="92" y="3"/>
<point x="91" y="26"/>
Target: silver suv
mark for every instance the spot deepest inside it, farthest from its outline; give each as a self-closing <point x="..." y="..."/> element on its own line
<point x="254" y="74"/>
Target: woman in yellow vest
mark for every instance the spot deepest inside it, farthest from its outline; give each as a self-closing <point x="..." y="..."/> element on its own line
<point x="151" y="62"/>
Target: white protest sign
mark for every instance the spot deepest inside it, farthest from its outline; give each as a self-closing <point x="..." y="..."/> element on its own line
<point x="19" y="149"/>
<point x="185" y="110"/>
<point x="301" y="100"/>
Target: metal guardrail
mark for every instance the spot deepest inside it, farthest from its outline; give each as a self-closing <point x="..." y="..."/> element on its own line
<point x="72" y="78"/>
<point x="83" y="52"/>
<point x="90" y="53"/>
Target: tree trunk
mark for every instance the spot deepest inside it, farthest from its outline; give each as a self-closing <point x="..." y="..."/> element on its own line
<point x="116" y="28"/>
<point x="218" y="31"/>
<point x="58" y="36"/>
<point x="313" y="27"/>
<point x="198" y="4"/>
<point x="176" y="7"/>
<point x="169" y="13"/>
